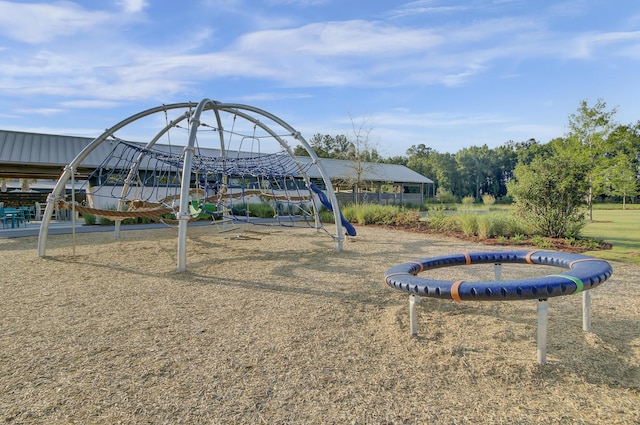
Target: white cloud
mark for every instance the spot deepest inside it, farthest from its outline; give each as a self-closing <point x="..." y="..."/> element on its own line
<point x="260" y="97"/>
<point x="437" y="119"/>
<point x="40" y="111"/>
<point x="421" y="8"/>
<point x="625" y="43"/>
<point x="89" y="104"/>
<point x="344" y="38"/>
<point x="132" y="6"/>
<point x="353" y="53"/>
<point x="299" y="2"/>
<point x="42" y="22"/>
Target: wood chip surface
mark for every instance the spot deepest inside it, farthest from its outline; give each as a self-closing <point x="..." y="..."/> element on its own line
<point x="283" y="329"/>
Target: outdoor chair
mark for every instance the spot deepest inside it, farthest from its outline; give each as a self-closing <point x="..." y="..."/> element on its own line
<point x="40" y="207"/>
<point x="16" y="216"/>
<point x="3" y="217"/>
<point x="29" y="213"/>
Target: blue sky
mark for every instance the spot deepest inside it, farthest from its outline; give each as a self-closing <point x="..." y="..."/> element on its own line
<point x="446" y="73"/>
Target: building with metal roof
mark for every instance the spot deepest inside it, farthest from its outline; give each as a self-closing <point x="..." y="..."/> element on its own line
<point x="44" y="156"/>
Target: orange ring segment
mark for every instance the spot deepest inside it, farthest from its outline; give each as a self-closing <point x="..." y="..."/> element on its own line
<point x="421" y="267"/>
<point x="467" y="259"/>
<point x="454" y="290"/>
<point x="528" y="257"/>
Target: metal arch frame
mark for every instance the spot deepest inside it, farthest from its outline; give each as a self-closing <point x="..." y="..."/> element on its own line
<point x="73" y="165"/>
<point x="189" y="150"/>
<point x="184" y="215"/>
<point x="234" y="108"/>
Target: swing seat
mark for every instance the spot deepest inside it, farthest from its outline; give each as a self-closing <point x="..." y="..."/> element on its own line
<point x="195" y="213"/>
<point x="198" y="210"/>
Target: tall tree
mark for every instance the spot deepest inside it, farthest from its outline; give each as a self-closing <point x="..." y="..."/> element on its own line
<point x="503" y="161"/>
<point x="360" y="154"/>
<point x="439" y="167"/>
<point x="396" y="159"/>
<point x="327" y="146"/>
<point x="623" y="178"/>
<point x="420" y="160"/>
<point x="446" y="172"/>
<point x="474" y="166"/>
<point x="591" y="126"/>
<point x="529" y="149"/>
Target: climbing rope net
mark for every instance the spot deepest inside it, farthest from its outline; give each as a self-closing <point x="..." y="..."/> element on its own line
<point x="267" y="189"/>
<point x="209" y="160"/>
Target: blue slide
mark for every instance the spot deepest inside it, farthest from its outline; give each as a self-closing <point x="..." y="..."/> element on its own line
<point x="351" y="231"/>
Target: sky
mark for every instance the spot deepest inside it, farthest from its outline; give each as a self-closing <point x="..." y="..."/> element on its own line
<point x="449" y="74"/>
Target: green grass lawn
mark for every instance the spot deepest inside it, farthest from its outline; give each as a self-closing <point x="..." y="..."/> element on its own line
<point x="621" y="228"/>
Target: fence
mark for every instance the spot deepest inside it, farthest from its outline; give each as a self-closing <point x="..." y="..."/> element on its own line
<point x="415" y="199"/>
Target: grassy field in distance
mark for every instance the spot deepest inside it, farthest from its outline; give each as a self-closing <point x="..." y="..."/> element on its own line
<point x="619" y="227"/>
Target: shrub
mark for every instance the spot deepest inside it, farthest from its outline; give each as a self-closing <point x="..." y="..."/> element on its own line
<point x="574" y="228"/>
<point x="445" y="196"/>
<point x="517" y="225"/>
<point x="348" y="211"/>
<point x="541" y="242"/>
<point x="588" y="244"/>
<point x="504" y="200"/>
<point x="488" y="199"/>
<point x="496" y="223"/>
<point x="89" y="219"/>
<point x="441" y="222"/>
<point x="407" y="217"/>
<point x="550" y="191"/>
<point x="381" y="214"/>
<point x="326" y="216"/>
<point x="468" y="201"/>
<point x="239" y="209"/>
<point x="485" y="226"/>
<point x="468" y="223"/>
<point x="262" y="210"/>
<point x="371" y="213"/>
<point x="441" y="207"/>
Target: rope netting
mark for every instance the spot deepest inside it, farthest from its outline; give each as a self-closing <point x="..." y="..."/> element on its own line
<point x="231" y="162"/>
<point x="138" y="181"/>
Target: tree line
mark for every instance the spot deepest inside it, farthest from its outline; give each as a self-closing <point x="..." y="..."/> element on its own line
<point x="597" y="153"/>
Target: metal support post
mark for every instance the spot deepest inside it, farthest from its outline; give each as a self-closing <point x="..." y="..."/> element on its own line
<point x="543" y="319"/>
<point x="497" y="268"/>
<point x="586" y="311"/>
<point x="413" y="317"/>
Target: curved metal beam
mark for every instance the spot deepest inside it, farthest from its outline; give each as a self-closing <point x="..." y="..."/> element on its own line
<point x="66" y="174"/>
<point x="243" y="111"/>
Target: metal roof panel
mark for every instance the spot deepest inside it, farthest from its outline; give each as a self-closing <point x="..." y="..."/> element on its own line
<point x="58" y="150"/>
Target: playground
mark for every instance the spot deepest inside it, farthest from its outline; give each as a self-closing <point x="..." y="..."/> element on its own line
<point x="274" y="325"/>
